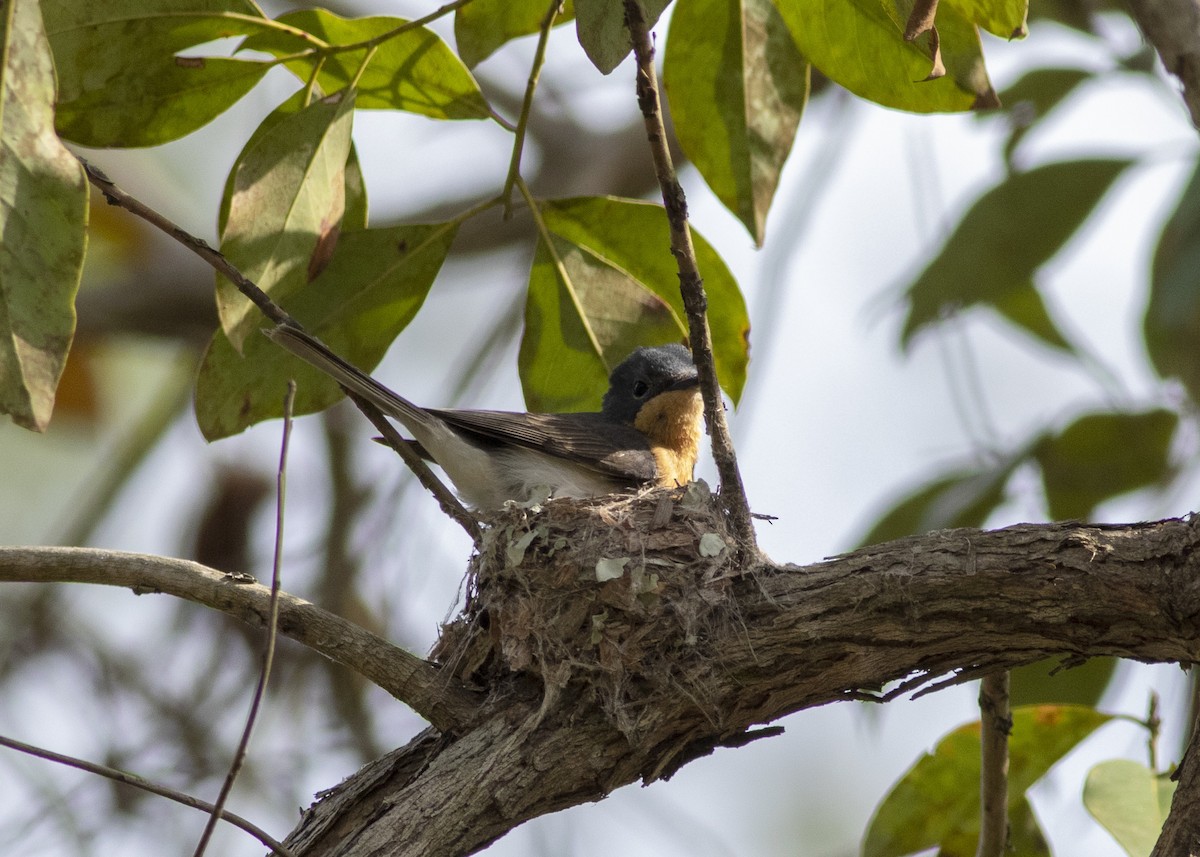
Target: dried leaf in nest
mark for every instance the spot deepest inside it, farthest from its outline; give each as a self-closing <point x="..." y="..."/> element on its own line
<point x="617" y="594"/>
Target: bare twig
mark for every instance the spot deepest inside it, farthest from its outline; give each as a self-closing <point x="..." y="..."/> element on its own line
<point x="691" y="286"/>
<point x="239" y="756"/>
<point x="273" y="311"/>
<point x="445" y="497"/>
<point x="434" y="695"/>
<point x="137" y="782"/>
<point x="539" y="58"/>
<point x="115" y="196"/>
<point x="995" y="726"/>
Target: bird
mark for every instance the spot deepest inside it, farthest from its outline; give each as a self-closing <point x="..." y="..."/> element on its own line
<point x="646" y="433"/>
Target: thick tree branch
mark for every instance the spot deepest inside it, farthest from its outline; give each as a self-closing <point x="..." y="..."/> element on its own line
<point x="691" y="285"/>
<point x="429" y="691"/>
<point x="1180" y="836"/>
<point x="764" y="641"/>
<point x="1173" y="27"/>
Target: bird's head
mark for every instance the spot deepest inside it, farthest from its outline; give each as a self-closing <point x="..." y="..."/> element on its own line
<point x="644" y="375"/>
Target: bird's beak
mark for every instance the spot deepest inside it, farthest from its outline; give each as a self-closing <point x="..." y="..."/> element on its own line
<point x="685" y="383"/>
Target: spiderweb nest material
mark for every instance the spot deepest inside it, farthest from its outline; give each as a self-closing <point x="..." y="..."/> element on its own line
<point x="617" y="597"/>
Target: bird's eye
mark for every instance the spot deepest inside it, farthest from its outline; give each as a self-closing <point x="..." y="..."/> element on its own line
<point x="640" y="388"/>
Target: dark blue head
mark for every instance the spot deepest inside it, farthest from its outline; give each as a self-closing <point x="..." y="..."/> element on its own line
<point x="644" y="374"/>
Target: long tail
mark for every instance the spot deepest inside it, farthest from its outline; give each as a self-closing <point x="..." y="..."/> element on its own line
<point x="316" y="353"/>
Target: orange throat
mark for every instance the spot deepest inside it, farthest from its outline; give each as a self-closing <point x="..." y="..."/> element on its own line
<point x="674" y="423"/>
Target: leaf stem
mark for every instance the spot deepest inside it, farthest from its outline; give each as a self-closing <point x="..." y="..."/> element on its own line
<point x="539" y="59"/>
<point x="561" y="269"/>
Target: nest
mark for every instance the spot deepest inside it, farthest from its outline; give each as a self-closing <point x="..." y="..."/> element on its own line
<point x="619" y="597"/>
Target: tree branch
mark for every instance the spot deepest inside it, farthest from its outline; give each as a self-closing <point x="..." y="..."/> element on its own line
<point x="691" y="286"/>
<point x="134" y="781"/>
<point x="1173" y="27"/>
<point x="115" y="196"/>
<point x="1180" y="836"/>
<point x="429" y="691"/>
<point x="995" y="719"/>
<point x="739" y="646"/>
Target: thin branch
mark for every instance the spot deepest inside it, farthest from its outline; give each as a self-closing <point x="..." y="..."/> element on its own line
<point x="437" y="697"/>
<point x="445" y="497"/>
<point x="137" y="782"/>
<point x="995" y="727"/>
<point x="691" y="286"/>
<point x="539" y="58"/>
<point x="239" y="756"/>
<point x="115" y="196"/>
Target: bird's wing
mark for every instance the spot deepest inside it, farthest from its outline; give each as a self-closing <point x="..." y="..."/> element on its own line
<point x="589" y="439"/>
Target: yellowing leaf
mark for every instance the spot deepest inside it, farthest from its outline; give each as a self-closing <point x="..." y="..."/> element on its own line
<point x="860" y="44"/>
<point x="120" y="81"/>
<point x="288" y="196"/>
<point x="936" y="803"/>
<point x="737" y="87"/>
<point x="355" y="216"/>
<point x="482" y="26"/>
<point x="1130" y="801"/>
<point x="414" y="70"/>
<point x="1003" y="18"/>
<point x="43" y="213"/>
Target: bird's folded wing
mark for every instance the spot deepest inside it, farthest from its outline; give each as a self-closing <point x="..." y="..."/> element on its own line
<point x="586" y="439"/>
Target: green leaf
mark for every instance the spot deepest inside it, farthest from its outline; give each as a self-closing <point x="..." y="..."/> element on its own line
<point x="355" y="216"/>
<point x="482" y="26"/>
<point x="413" y="71"/>
<point x="607" y="283"/>
<point x="936" y="803"/>
<point x="372" y="288"/>
<point x="960" y="499"/>
<point x="43" y="216"/>
<point x="286" y="208"/>
<point x="1130" y="801"/>
<point x="600" y="26"/>
<point x="120" y="82"/>
<point x="1034" y="96"/>
<point x="860" y="45"/>
<point x="1099" y="456"/>
<point x="1002" y="241"/>
<point x="1024" y="307"/>
<point x="1172" y="322"/>
<point x="737" y="87"/>
<point x="1003" y="18"/>
<point x="1043" y="89"/>
<point x="1038" y="683"/>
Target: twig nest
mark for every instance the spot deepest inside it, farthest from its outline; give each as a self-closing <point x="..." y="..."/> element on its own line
<point x="619" y="593"/>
